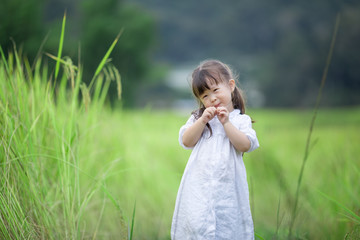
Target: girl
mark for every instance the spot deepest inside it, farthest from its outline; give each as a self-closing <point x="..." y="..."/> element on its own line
<point x="213" y="197"/>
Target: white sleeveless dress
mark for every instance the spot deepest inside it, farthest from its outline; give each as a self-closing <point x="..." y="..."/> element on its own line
<point x="213" y="197"/>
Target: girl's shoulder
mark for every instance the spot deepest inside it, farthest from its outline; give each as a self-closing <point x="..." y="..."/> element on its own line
<point x="236" y="113"/>
<point x="237" y="117"/>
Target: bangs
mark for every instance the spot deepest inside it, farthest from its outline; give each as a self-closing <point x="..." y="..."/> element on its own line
<point x="201" y="78"/>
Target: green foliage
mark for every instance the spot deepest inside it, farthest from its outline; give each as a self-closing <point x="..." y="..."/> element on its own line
<point x="131" y="56"/>
<point x="41" y="128"/>
<point x="21" y="22"/>
<point x="152" y="164"/>
<point x="93" y="27"/>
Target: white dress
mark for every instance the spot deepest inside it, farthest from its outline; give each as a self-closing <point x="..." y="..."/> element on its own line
<point x="213" y="197"/>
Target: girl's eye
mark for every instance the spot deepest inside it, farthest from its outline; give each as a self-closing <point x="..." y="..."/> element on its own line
<point x="205" y="96"/>
<point x="216" y="89"/>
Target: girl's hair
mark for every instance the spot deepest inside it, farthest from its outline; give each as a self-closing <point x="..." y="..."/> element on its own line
<point x="214" y="71"/>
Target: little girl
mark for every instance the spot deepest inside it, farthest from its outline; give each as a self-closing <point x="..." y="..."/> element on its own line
<point x="213" y="197"/>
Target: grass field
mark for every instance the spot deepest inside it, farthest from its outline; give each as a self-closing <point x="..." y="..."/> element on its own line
<point x="152" y="162"/>
<point x="74" y="169"/>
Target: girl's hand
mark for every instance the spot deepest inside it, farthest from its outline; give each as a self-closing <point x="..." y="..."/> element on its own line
<point x="208" y="114"/>
<point x="223" y="115"/>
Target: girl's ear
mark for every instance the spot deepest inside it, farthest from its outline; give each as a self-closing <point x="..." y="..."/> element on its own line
<point x="232" y="84"/>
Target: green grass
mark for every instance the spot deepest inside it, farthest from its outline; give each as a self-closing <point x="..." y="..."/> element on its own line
<point x="42" y="195"/>
<point x="71" y="168"/>
<point x="152" y="162"/>
<point x="332" y="168"/>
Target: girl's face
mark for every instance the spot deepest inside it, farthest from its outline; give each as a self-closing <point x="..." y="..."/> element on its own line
<point x="218" y="95"/>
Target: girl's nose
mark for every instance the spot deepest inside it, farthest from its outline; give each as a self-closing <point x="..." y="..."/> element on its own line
<point x="213" y="98"/>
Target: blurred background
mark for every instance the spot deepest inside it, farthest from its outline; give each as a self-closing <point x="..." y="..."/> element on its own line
<point x="278" y="49"/>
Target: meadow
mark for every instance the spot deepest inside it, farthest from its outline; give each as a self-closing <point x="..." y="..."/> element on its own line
<point x="73" y="168"/>
<point x="152" y="163"/>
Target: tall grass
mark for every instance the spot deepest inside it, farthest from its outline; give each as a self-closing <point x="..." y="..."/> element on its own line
<point x="312" y="124"/>
<point x="332" y="170"/>
<point x="44" y="127"/>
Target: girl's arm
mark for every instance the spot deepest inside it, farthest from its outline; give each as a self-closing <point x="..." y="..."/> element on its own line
<point x="240" y="141"/>
<point x="193" y="133"/>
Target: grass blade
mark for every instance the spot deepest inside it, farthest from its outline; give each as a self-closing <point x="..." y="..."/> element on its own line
<point x="106" y="57"/>
<point x="60" y="46"/>
<point x="317" y="104"/>
<point x="352" y="215"/>
<point x="59" y="60"/>
<point x="258" y="236"/>
<point x="4" y="60"/>
<point x="132" y="223"/>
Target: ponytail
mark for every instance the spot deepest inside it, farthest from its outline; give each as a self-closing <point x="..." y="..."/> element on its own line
<point x="238" y="100"/>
